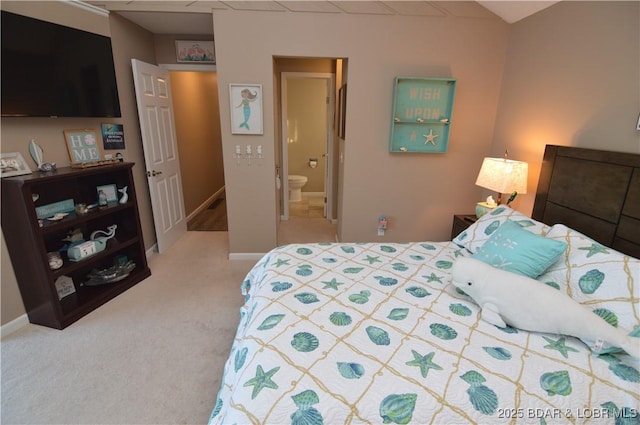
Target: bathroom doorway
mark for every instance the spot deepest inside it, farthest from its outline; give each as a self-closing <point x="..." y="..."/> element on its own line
<point x="307" y="139"/>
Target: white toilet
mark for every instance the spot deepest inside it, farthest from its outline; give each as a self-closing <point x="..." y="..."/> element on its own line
<point x="296" y="183"/>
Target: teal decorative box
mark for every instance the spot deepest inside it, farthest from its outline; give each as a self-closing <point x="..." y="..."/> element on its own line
<point x="52" y="209"/>
<point x="422" y="113"/>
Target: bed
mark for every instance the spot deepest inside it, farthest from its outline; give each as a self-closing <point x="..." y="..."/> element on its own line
<point x="351" y="333"/>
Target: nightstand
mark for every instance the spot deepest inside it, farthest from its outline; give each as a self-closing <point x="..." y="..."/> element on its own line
<point x="461" y="222"/>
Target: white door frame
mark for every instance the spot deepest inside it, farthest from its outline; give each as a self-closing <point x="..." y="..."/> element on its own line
<point x="328" y="154"/>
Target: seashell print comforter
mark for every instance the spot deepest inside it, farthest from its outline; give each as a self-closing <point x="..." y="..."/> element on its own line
<point x="375" y="333"/>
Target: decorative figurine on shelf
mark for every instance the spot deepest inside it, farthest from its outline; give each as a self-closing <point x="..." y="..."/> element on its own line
<point x="38" y="157"/>
<point x="93" y="246"/>
<point x="125" y="196"/>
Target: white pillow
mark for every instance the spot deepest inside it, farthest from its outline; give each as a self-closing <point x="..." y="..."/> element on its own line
<point x="596" y="276"/>
<point x="479" y="232"/>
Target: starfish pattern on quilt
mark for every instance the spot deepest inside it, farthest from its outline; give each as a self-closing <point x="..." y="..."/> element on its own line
<point x="559" y="345"/>
<point x="594" y="249"/>
<point x="423" y="362"/>
<point x="262" y="380"/>
<point x="433" y="278"/>
<point x="372" y="260"/>
<point x="332" y="284"/>
<point x="281" y="262"/>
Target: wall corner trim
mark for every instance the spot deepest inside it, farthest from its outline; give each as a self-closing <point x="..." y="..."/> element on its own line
<point x="89" y="7"/>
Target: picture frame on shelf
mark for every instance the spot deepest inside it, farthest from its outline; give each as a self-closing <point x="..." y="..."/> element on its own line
<point x="195" y="51"/>
<point x="110" y="191"/>
<point x="13" y="164"/>
<point x="246" y="108"/>
<point x="83" y="146"/>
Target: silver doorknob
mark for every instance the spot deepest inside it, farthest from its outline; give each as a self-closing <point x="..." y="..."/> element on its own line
<point x="153" y="173"/>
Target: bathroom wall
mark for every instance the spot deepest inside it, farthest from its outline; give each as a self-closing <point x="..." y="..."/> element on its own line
<point x="307" y="122"/>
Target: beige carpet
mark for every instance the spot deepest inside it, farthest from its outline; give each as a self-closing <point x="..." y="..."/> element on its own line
<point x="153" y="355"/>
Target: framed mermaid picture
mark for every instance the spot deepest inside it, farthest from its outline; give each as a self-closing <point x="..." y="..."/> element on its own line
<point x="246" y="108"/>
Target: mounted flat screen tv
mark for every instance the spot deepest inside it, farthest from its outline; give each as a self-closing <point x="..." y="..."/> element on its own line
<point x="51" y="70"/>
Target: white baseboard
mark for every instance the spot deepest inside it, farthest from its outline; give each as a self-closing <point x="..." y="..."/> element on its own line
<point x="246" y="255"/>
<point x="203" y="206"/>
<point x="14" y="325"/>
<point x="151" y="252"/>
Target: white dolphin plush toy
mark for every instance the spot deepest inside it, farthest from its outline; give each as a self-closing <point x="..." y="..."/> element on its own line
<point x="525" y="303"/>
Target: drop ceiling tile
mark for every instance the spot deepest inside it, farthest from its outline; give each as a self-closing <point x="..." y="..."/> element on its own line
<point x="464" y="9"/>
<point x="414" y="8"/>
<point x="263" y="6"/>
<point x="310" y="6"/>
<point x="364" y="7"/>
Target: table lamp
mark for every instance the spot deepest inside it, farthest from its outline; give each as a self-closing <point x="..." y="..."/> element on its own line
<point x="501" y="175"/>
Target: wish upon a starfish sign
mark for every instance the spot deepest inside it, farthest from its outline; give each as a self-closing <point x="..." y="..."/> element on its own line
<point x="422" y="110"/>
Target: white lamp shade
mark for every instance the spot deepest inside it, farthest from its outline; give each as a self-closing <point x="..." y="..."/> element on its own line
<point x="503" y="175"/>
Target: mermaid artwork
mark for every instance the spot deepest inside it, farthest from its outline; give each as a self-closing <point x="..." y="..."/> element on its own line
<point x="247" y="98"/>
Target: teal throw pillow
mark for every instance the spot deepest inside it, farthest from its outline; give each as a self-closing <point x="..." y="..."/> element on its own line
<point x="517" y="250"/>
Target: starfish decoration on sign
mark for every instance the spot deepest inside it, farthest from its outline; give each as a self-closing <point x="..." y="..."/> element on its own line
<point x="423" y="362"/>
<point x="430" y="138"/>
<point x="595" y="249"/>
<point x="333" y="284"/>
<point x="262" y="380"/>
<point x="560" y="346"/>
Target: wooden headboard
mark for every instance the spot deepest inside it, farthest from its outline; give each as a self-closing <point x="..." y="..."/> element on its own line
<point x="594" y="192"/>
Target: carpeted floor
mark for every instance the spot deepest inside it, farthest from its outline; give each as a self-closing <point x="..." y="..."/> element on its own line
<point x="153" y="355"/>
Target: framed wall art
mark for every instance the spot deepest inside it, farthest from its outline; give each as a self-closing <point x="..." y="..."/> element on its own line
<point x="190" y="51"/>
<point x="13" y="164"/>
<point x="112" y="136"/>
<point x="422" y="110"/>
<point x="245" y="101"/>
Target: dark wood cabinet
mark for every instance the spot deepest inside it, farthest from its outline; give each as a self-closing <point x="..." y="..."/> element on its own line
<point x="30" y="239"/>
<point x="461" y="222"/>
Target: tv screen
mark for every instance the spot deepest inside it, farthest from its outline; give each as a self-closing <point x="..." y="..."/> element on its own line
<point x="50" y="70"/>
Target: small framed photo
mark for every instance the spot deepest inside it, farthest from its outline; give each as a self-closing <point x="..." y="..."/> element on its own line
<point x="110" y="192"/>
<point x="246" y="108"/>
<point x="13" y="164"/>
<point x="195" y="51"/>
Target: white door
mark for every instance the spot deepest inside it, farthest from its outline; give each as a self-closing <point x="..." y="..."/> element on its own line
<point x="153" y="97"/>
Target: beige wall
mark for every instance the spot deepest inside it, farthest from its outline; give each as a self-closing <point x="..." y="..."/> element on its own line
<point x="419" y="193"/>
<point x="197" y="120"/>
<point x="572" y="78"/>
